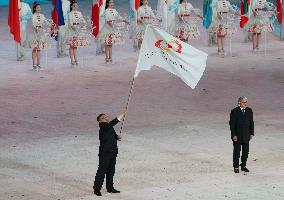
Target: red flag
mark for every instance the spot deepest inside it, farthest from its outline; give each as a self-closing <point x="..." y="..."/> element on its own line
<point x="279" y="11"/>
<point x="96" y="17"/>
<point x="137" y="4"/>
<point x="244" y="12"/>
<point x="14" y="20"/>
<point x="54" y="15"/>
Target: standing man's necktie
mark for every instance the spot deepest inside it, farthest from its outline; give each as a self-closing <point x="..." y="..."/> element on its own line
<point x="243" y="111"/>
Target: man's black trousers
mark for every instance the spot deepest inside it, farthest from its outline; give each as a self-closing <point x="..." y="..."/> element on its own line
<point x="106" y="167"/>
<point x="238" y="146"/>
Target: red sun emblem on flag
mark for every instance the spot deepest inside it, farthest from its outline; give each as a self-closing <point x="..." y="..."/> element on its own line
<point x="170" y="45"/>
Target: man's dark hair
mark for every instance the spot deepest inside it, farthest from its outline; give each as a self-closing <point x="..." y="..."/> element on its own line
<point x="98" y="117"/>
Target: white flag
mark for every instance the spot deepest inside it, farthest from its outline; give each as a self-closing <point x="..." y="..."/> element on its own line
<point x="165" y="51"/>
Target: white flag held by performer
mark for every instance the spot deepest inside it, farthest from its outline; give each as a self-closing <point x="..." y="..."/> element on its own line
<point x="165" y="51"/>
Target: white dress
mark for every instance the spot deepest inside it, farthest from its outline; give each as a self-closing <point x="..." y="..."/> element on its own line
<point x="259" y="22"/>
<point x="76" y="34"/>
<point x="40" y="35"/>
<point x="224" y="24"/>
<point x="186" y="27"/>
<point x="110" y="34"/>
<point x="146" y="15"/>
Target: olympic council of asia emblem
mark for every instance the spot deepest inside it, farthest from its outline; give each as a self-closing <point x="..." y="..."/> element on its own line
<point x="167" y="47"/>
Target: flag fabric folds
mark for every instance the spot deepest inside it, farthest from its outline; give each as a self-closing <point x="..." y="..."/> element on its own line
<point x="207" y="13"/>
<point x="245" y="6"/>
<point x="133" y="7"/>
<point x="57" y="13"/>
<point x="14" y="20"/>
<point x="97" y="11"/>
<point x="169" y="53"/>
<point x="137" y="4"/>
<point x="280" y="11"/>
<point x="96" y="18"/>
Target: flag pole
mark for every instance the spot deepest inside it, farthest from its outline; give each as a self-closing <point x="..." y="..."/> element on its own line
<point x="127" y="104"/>
<point x="231" y="46"/>
<point x="46" y="60"/>
<point x="281" y="27"/>
<point x="265" y="40"/>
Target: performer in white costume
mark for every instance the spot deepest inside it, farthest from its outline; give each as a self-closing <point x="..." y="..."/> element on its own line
<point x="259" y="21"/>
<point x="25" y="15"/>
<point x="39" y="38"/>
<point x="109" y="33"/>
<point x="186" y="27"/>
<point x="76" y="34"/>
<point x="61" y="47"/>
<point x="222" y="25"/>
<point x="145" y="16"/>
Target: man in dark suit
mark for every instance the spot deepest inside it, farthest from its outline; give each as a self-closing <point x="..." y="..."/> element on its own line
<point x="107" y="153"/>
<point x="242" y="131"/>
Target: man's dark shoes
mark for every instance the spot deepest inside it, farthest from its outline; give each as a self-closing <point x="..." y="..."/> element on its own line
<point x="97" y="192"/>
<point x="244" y="169"/>
<point x="113" y="191"/>
<point x="236" y="170"/>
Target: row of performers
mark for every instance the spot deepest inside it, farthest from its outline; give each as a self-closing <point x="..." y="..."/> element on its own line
<point x="75" y="34"/>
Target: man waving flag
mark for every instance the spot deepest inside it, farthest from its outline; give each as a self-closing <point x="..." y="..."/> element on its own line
<point x="165" y="51"/>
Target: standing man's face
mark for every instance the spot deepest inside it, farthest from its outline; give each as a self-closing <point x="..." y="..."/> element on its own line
<point x="244" y="103"/>
<point x="104" y="118"/>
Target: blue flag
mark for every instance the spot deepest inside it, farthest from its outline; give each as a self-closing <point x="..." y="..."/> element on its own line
<point x="207" y="13"/>
<point x="58" y="7"/>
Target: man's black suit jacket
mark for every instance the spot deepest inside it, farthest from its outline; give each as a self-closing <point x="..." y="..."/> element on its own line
<point x="108" y="137"/>
<point x="242" y="125"/>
